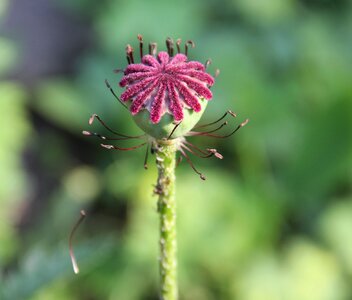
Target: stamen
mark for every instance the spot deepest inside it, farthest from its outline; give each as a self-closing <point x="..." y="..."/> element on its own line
<point x="218" y="120"/>
<point x="140" y="38"/>
<point x="146" y="158"/>
<point x="89" y="133"/>
<point x="72" y="255"/>
<point x="129" y="54"/>
<point x="170" y="46"/>
<point x="191" y="43"/>
<point x="191" y="164"/>
<point x="193" y="133"/>
<point x="95" y="116"/>
<point x="217" y="73"/>
<point x="179" y="160"/>
<point x="207" y="63"/>
<point x="216" y="153"/>
<point x="195" y="147"/>
<point x="153" y="48"/>
<point x="227" y="135"/>
<point x="113" y="93"/>
<point x="209" y="154"/>
<point x="112" y="147"/>
<point x="173" y="130"/>
<point x="178" y="43"/>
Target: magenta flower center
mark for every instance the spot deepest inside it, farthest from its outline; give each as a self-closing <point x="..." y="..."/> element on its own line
<point x="165" y="84"/>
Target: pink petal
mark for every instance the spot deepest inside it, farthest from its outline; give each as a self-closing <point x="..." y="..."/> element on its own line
<point x="163" y="57"/>
<point x="178" y="58"/>
<point x="142" y="97"/>
<point x="135" y="88"/>
<point x="175" y="103"/>
<point x="189" y="98"/>
<point x="194" y="65"/>
<point x="137" y="68"/>
<point x="128" y="79"/>
<point x="202" y="76"/>
<point x="197" y="86"/>
<point x="156" y="109"/>
<point x="150" y="60"/>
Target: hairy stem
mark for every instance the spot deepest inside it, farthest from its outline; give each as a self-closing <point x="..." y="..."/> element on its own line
<point x="165" y="188"/>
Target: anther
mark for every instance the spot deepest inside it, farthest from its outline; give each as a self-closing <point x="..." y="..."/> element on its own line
<point x="217" y="73"/>
<point x="140" y="38"/>
<point x="129" y="54"/>
<point x="146" y="158"/>
<point x="191" y="43"/>
<point x="207" y="63"/>
<point x="153" y="48"/>
<point x="179" y="160"/>
<point x="107" y="146"/>
<point x="244" y="123"/>
<point x="92" y="118"/>
<point x="170" y="46"/>
<point x="232" y="113"/>
<point x="73" y="258"/>
<point x="88" y="133"/>
<point x="178" y="43"/>
<point x="216" y="153"/>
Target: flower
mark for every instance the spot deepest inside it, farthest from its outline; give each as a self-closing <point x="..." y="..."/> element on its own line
<point x="166" y="84"/>
<point x="167" y="95"/>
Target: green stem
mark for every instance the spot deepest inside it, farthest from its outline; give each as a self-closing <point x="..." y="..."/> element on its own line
<point x="165" y="188"/>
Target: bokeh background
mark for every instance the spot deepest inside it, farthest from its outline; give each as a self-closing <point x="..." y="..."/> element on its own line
<point x="273" y="221"/>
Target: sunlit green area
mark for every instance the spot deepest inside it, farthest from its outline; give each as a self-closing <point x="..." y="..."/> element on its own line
<point x="273" y="220"/>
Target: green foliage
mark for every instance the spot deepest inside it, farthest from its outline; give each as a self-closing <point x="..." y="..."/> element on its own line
<point x="273" y="219"/>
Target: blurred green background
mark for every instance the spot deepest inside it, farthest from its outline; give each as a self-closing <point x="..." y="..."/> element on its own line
<point x="273" y="221"/>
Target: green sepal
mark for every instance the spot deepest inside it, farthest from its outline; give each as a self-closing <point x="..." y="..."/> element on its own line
<point x="166" y="125"/>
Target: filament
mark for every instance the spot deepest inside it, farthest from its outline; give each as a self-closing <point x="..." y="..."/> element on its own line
<point x="140" y="38"/>
<point x="178" y="43"/>
<point x="218" y="120"/>
<point x="170" y="46"/>
<point x="191" y="43"/>
<point x="95" y="116"/>
<point x="153" y="48"/>
<point x="195" y="133"/>
<point x="227" y="135"/>
<point x="207" y="63"/>
<point x="89" y="133"/>
<point x="146" y="158"/>
<point x="113" y="93"/>
<point x="173" y="130"/>
<point x="191" y="164"/>
<point x="129" y="54"/>
<point x="112" y="147"/>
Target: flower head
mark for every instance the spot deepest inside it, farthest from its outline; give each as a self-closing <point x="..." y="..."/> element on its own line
<point x="165" y="83"/>
<point x="167" y="95"/>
